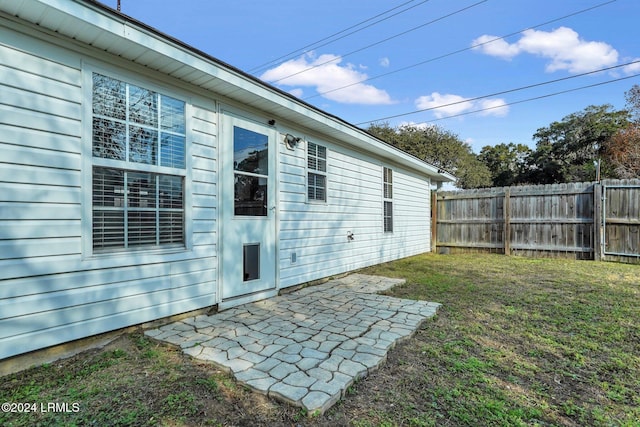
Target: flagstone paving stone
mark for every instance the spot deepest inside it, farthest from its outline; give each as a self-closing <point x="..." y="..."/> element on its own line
<point x="306" y="347"/>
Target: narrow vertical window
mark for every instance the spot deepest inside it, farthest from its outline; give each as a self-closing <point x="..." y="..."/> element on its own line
<point x="317" y="172"/>
<point x="387" y="176"/>
<point x="138" y="145"/>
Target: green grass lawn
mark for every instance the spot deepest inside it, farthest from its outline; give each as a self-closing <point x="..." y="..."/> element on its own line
<point x="517" y="342"/>
<point x="521" y="341"/>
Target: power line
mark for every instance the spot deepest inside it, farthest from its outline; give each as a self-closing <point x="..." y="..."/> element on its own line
<point x="382" y="41"/>
<point x="535" y="98"/>
<point x="315" y="44"/>
<point x="513" y="90"/>
<point x="474" y="46"/>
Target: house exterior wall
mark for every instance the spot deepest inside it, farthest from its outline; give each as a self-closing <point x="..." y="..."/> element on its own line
<point x="52" y="288"/>
<point x="315" y="233"/>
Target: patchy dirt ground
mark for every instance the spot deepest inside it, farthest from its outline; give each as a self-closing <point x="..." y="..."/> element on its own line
<point x="136" y="381"/>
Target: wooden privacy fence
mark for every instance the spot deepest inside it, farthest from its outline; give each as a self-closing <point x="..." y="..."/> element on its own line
<point x="577" y="220"/>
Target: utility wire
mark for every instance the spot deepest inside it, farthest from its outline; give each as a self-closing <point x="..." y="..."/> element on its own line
<point x="510" y="103"/>
<point x="516" y="89"/>
<point x="315" y="44"/>
<point x="382" y="41"/>
<point x="474" y="46"/>
<point x="536" y="98"/>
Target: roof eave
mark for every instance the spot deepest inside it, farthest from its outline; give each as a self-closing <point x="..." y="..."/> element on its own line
<point x="96" y="24"/>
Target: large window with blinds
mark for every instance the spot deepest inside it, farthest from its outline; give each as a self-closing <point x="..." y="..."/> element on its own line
<point x="138" y="167"/>
<point x="316" y="172"/>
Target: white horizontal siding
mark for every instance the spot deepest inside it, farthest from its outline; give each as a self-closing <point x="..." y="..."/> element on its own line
<point x="65" y="298"/>
<point x="50" y="290"/>
<point x="40" y="108"/>
<point x="60" y="264"/>
<point x="36" y="331"/>
<point x="317" y="232"/>
<point x="204" y="181"/>
<point x="25" y="229"/>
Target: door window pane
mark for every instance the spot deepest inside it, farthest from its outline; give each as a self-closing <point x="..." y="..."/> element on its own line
<point x="250" y="151"/>
<point x="251" y="262"/>
<point x="250" y="195"/>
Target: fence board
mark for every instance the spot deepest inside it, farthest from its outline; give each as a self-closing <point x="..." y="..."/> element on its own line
<point x="557" y="220"/>
<point x="621" y="200"/>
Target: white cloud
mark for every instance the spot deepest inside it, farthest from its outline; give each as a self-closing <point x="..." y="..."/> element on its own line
<point x="494" y="107"/>
<point x="455" y="104"/>
<point x="384" y="62"/>
<point x="444" y="105"/>
<point x="298" y="92"/>
<point x="493" y="46"/>
<point x="633" y="68"/>
<point x="326" y="73"/>
<point x="562" y="46"/>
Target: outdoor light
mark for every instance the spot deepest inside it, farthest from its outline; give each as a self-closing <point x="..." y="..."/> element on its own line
<point x="291" y="141"/>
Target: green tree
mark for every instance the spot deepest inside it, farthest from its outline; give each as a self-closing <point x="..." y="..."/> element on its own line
<point x="566" y="150"/>
<point x="472" y="173"/>
<point x="507" y="163"/>
<point x="439" y="147"/>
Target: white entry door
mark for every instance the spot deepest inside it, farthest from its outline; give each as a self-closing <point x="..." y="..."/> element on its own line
<point x="248" y="210"/>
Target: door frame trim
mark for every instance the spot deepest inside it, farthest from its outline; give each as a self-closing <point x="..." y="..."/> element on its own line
<point x="226" y="111"/>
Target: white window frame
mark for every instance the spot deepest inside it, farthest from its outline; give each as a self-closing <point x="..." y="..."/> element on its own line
<point x="90" y="162"/>
<point x="387" y="200"/>
<point x="316" y="171"/>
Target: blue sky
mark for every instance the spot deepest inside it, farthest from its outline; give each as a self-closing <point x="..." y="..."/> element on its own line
<point x="437" y="34"/>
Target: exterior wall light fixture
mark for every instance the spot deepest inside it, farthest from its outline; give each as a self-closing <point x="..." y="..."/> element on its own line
<point x="291" y="141"/>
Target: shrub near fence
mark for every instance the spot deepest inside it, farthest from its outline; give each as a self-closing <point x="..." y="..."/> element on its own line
<point x="576" y="220"/>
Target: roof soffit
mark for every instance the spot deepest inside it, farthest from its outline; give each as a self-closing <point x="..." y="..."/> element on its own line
<point x="97" y="25"/>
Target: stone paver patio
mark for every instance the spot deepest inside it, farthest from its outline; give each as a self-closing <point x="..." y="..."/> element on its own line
<point x="306" y="347"/>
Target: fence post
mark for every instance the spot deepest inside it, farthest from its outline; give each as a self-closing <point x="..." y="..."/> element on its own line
<point x="434" y="221"/>
<point x="597" y="222"/>
<point x="507" y="222"/>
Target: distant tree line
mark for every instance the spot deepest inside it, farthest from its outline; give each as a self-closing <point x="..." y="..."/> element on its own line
<point x="566" y="151"/>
